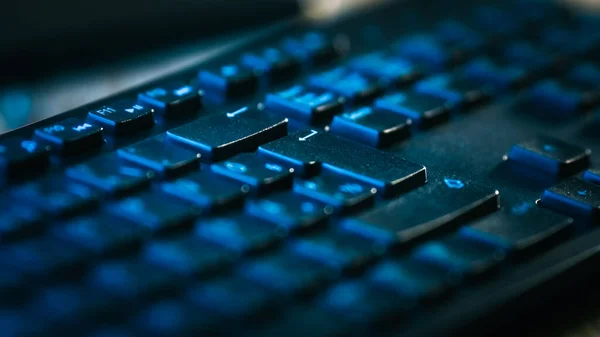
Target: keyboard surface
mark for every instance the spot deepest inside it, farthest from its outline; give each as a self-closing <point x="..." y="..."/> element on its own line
<point x="402" y="172"/>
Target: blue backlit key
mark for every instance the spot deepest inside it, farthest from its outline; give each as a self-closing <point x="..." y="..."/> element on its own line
<point x="240" y="233"/>
<point x="174" y="317"/>
<point x="18" y="156"/>
<point x="187" y="255"/>
<point x="555" y="98"/>
<point x="392" y="70"/>
<point x="218" y="137"/>
<point x="172" y="100"/>
<point x="423" y="110"/>
<point x="372" y="126"/>
<point x="585" y="75"/>
<point x="277" y="65"/>
<point x="206" y="190"/>
<point x="454" y="88"/>
<point x="550" y="155"/>
<point x="484" y="71"/>
<point x="310" y="150"/>
<point x="313" y="48"/>
<point x="161" y="157"/>
<point x="574" y="197"/>
<point x="345" y="194"/>
<point x="290" y="211"/>
<point x="453" y="33"/>
<point x="18" y="220"/>
<point x="261" y="175"/>
<point x="424" y="50"/>
<point x="123" y="117"/>
<point x="495" y="21"/>
<point x="229" y="81"/>
<point x="304" y="105"/>
<point x="71" y="136"/>
<point x="107" y="173"/>
<point x="350" y="84"/>
<point x="592" y="175"/>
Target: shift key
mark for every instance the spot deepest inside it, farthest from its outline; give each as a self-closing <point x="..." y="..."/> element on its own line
<point x="310" y="151"/>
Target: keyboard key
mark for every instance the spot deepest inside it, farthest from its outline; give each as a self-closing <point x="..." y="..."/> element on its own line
<point x="208" y="191"/>
<point x="101" y="234"/>
<point x="455" y="34"/>
<point x="592" y="175"/>
<point x="494" y="21"/>
<point x="313" y="47"/>
<point x="519" y="229"/>
<point x="155" y="211"/>
<point x="307" y="151"/>
<point x="293" y="323"/>
<point x="172" y="100"/>
<point x="556" y="99"/>
<point x="457" y="202"/>
<point x="392" y="70"/>
<point x="550" y="155"/>
<point x="18" y="221"/>
<point x="453" y="88"/>
<point x="160" y="157"/>
<point x="423" y="110"/>
<point x="352" y="85"/>
<point x="19" y="156"/>
<point x="56" y="196"/>
<point x="574" y="197"/>
<point x="484" y="71"/>
<point x="289" y="211"/>
<point x="108" y="174"/>
<point x="123" y="117"/>
<point x="174" y="317"/>
<point x="585" y="76"/>
<point x="187" y="255"/>
<point x="304" y="105"/>
<point x="277" y="65"/>
<point x="219" y="137"/>
<point x="425" y="50"/>
<point x="240" y="233"/>
<point x="71" y="136"/>
<point x="345" y="194"/>
<point x="262" y="176"/>
<point x="229" y="81"/>
<point x="372" y="126"/>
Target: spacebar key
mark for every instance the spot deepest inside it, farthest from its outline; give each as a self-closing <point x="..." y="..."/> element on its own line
<point x="308" y="151"/>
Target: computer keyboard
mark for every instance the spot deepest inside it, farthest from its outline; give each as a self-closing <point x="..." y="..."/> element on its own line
<point x="407" y="171"/>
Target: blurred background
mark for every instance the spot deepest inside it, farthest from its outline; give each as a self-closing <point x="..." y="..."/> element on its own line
<point x="43" y="76"/>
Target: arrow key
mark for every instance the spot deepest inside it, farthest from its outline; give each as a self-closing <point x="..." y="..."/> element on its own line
<point x="123" y="117"/>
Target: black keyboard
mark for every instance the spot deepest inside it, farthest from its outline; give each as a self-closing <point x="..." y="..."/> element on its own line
<point x="408" y="171"/>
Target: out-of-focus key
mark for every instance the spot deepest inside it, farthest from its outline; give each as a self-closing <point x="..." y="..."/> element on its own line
<point x="19" y="156"/>
<point x="277" y="65"/>
<point x="352" y="85"/>
<point x="229" y="81"/>
<point x="172" y="100"/>
<point x="423" y="110"/>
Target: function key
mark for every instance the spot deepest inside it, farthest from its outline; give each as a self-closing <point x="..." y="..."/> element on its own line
<point x="277" y="65"/>
<point x="19" y="156"/>
<point x="304" y="105"/>
<point x="386" y="68"/>
<point x="550" y="155"/>
<point x="314" y="48"/>
<point x="172" y="100"/>
<point x="352" y="85"/>
<point x="372" y="126"/>
<point x="423" y="110"/>
<point x="574" y="197"/>
<point x="123" y="117"/>
<point x="229" y="81"/>
<point x="454" y="88"/>
<point x="71" y="136"/>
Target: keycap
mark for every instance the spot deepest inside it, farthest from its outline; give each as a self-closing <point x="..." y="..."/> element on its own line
<point x="592" y="175"/>
<point x="218" y="137"/>
<point x="228" y="81"/>
<point x="307" y="151"/>
<point x="557" y="99"/>
<point x="287" y="273"/>
<point x="18" y="220"/>
<point x="423" y="110"/>
<point x="455" y="34"/>
<point x="459" y="256"/>
<point x="495" y="21"/>
<point x="454" y="88"/>
<point x="160" y="157"/>
<point x="550" y="155"/>
<point x="262" y="176"/>
<point x="108" y="173"/>
<point x="187" y="255"/>
<point x="155" y="211"/>
<point x="241" y="233"/>
<point x="123" y="117"/>
<point x="19" y="156"/>
<point x="485" y="71"/>
<point x="289" y="211"/>
<point x="425" y="50"/>
<point x="71" y="136"/>
<point x="573" y="197"/>
<point x="372" y="126"/>
<point x="436" y="207"/>
<point x="56" y="196"/>
<point x="101" y="234"/>
<point x="174" y="317"/>
<point x="355" y="87"/>
<point x="172" y="100"/>
<point x="585" y="75"/>
<point x="392" y="70"/>
<point x="305" y="105"/>
<point x="207" y="191"/>
<point x="313" y="47"/>
<point x="278" y="66"/>
<point x="132" y="280"/>
<point x="345" y="194"/>
<point x="519" y="229"/>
